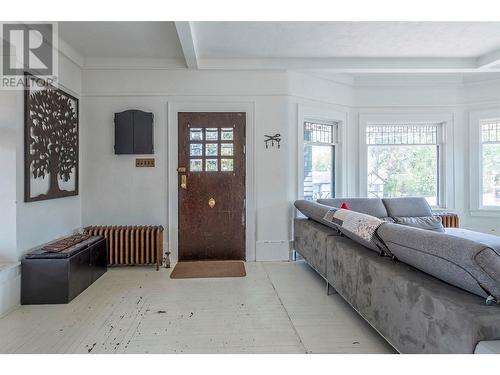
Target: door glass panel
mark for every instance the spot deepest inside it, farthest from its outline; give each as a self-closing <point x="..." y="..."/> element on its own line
<point x="196" y="165"/>
<point x="226" y="165"/>
<point x="196" y="149"/>
<point x="211" y="165"/>
<point x="227" y="134"/>
<point x="196" y="134"/>
<point x="211" y="149"/>
<point x="226" y="149"/>
<point x="211" y="134"/>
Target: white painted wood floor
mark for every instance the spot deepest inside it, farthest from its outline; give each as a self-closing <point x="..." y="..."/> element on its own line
<point x="280" y="307"/>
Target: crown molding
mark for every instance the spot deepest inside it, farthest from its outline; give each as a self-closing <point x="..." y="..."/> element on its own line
<point x="94" y="63"/>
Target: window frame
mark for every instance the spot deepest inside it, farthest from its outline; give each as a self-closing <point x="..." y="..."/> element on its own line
<point x="332" y="145"/>
<point x="476" y="120"/>
<point x="444" y="148"/>
<point x="326" y="115"/>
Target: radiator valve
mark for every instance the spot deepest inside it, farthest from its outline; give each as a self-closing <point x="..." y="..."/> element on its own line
<point x="166" y="259"/>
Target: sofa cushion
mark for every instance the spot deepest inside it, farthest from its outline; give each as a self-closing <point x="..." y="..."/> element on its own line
<point x="316" y="212"/>
<point x="369" y="206"/>
<point x="423" y="222"/>
<point x="407" y="206"/>
<point x="489" y="240"/>
<point x="462" y="262"/>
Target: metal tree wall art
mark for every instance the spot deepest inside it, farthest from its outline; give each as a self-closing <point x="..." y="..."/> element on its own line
<point x="51" y="143"/>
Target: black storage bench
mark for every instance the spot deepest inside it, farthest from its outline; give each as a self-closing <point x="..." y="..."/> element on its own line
<point x="58" y="277"/>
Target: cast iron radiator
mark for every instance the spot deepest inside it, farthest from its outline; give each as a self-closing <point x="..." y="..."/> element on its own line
<point x="131" y="245"/>
<point x="449" y="219"/>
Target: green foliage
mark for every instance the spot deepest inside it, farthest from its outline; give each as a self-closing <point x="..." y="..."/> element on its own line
<point x="322" y="160"/>
<point x="491" y="166"/>
<point x="404" y="170"/>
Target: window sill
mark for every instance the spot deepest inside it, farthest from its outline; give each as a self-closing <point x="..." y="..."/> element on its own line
<point x="486" y="212"/>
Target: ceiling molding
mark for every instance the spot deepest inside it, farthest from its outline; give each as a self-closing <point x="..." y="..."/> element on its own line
<point x="489" y="60"/>
<point x="412" y="80"/>
<point x="66" y="50"/>
<point x="95" y="63"/>
<point x="350" y="65"/>
<point x="188" y="43"/>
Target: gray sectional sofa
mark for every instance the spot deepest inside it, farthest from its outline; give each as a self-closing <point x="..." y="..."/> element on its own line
<point x="424" y="288"/>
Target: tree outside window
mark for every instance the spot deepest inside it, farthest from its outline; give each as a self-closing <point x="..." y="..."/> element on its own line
<point x="403" y="161"/>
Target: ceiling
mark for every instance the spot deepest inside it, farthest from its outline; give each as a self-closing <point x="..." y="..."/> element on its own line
<point x="345" y="39"/>
<point x="338" y="47"/>
<point x="122" y="39"/>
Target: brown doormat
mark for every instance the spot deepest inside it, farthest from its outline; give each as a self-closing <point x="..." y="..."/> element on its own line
<point x="204" y="269"/>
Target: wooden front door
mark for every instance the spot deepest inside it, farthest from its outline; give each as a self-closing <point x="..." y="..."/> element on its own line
<point x="211" y="178"/>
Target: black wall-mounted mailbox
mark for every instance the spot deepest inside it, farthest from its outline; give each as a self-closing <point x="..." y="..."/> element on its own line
<point x="134" y="132"/>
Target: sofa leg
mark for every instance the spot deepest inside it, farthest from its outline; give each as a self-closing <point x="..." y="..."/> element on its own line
<point x="330" y="289"/>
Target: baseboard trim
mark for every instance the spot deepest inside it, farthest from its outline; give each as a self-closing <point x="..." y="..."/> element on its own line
<point x="10" y="287"/>
<point x="272" y="251"/>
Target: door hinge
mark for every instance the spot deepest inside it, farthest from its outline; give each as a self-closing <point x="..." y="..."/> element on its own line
<point x="244" y="149"/>
<point x="243" y="213"/>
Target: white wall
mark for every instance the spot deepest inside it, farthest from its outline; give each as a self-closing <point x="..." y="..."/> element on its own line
<point x="483" y="95"/>
<point x="25" y="225"/>
<point x="40" y="222"/>
<point x="8" y="154"/>
<point x="115" y="192"/>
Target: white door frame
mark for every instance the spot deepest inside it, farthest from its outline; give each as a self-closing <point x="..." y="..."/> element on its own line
<point x="173" y="108"/>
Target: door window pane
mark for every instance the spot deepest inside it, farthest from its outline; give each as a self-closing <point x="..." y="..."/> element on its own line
<point x="211" y="134"/>
<point x="195" y="165"/>
<point x="195" y="149"/>
<point x="227" y="134"/>
<point x="211" y="165"/>
<point x="211" y="149"/>
<point x="318" y="171"/>
<point x="226" y="165"/>
<point x="196" y="134"/>
<point x="226" y="149"/>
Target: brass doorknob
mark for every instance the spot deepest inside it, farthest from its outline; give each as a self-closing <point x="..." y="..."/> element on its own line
<point x="211" y="202"/>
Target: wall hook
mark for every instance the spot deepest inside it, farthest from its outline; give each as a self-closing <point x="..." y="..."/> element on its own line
<point x="272" y="138"/>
